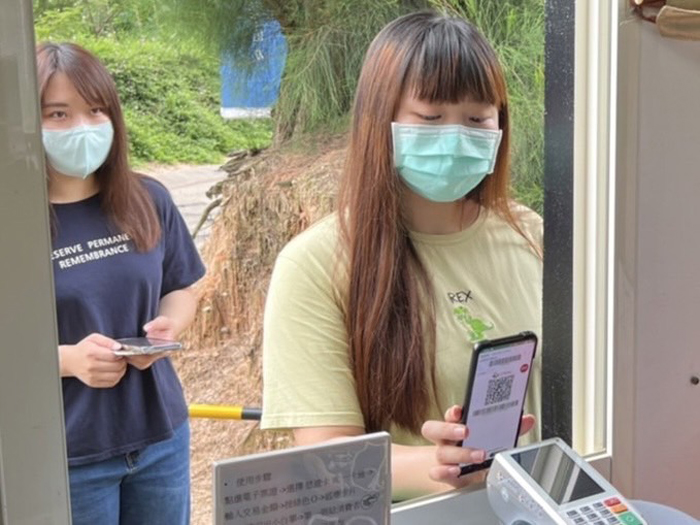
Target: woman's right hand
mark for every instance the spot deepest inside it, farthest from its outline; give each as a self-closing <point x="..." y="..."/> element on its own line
<point x="446" y="435"/>
<point x="92" y="361"/>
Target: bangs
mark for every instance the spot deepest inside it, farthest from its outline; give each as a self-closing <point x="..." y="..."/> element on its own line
<point x="87" y="74"/>
<point x="450" y="63"/>
<point x="91" y="83"/>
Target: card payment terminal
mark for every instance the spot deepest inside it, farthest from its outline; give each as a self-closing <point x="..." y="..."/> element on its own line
<point x="548" y="483"/>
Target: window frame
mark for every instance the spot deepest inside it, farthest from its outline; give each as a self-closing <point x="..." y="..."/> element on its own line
<point x="580" y="87"/>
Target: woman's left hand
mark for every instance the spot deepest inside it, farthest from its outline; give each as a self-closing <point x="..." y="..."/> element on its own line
<point x="161" y="327"/>
<point x="446" y="435"/>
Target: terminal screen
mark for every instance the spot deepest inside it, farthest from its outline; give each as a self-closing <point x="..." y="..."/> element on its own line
<point x="557" y="474"/>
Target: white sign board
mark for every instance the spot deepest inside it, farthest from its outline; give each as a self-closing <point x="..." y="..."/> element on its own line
<point x="344" y="482"/>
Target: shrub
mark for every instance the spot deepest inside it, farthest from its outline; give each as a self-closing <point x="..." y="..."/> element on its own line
<point x="169" y="92"/>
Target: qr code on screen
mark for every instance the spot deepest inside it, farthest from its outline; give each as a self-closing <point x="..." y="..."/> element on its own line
<point x="499" y="389"/>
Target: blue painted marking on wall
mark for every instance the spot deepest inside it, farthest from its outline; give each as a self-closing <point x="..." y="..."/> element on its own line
<point x="247" y="93"/>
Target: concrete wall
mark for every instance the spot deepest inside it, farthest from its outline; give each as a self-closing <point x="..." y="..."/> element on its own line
<point x="33" y="472"/>
<point x="656" y="446"/>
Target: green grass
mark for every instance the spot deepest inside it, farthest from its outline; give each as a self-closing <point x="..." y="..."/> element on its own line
<point x="327" y="42"/>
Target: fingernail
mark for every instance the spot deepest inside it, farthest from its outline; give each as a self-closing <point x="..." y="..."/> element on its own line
<point x="116" y="346"/>
<point x="454" y="471"/>
<point x="458" y="433"/>
<point x="478" y="456"/>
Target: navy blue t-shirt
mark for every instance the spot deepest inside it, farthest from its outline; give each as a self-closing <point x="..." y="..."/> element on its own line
<point x="103" y="285"/>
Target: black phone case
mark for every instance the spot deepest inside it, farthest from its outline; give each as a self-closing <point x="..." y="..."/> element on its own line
<point x="481" y="346"/>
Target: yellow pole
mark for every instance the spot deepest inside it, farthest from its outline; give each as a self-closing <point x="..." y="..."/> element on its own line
<point x="224" y="412"/>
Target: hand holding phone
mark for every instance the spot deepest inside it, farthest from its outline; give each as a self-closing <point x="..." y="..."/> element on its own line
<point x="493" y="406"/>
<point x="92" y="361"/>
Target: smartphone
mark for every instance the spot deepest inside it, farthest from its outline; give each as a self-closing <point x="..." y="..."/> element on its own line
<point x="493" y="405"/>
<point x="145" y="346"/>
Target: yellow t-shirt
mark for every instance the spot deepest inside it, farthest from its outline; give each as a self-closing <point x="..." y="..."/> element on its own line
<point x="487" y="283"/>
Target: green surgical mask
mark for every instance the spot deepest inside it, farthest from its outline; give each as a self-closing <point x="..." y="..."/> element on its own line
<point x="444" y="163"/>
<point x="78" y="151"/>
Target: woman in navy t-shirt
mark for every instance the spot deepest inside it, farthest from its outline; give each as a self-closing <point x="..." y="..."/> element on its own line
<point x="124" y="264"/>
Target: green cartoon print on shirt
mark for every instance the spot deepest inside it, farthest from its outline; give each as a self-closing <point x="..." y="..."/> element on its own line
<point x="475" y="326"/>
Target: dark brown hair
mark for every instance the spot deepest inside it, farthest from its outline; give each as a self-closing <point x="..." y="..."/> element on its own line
<point x="122" y="193"/>
<point x="390" y="317"/>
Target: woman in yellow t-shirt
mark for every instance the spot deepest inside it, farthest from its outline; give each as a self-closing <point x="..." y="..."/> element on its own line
<point x="372" y="312"/>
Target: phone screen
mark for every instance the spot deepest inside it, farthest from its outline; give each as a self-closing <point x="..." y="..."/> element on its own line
<point x="497" y="395"/>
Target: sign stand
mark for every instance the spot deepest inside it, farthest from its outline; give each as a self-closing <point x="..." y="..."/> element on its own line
<point x="344" y="482"/>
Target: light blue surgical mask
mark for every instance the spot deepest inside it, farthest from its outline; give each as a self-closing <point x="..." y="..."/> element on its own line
<point x="444" y="163"/>
<point x="78" y="151"/>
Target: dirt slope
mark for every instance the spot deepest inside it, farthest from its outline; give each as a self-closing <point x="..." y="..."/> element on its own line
<point x="267" y="200"/>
